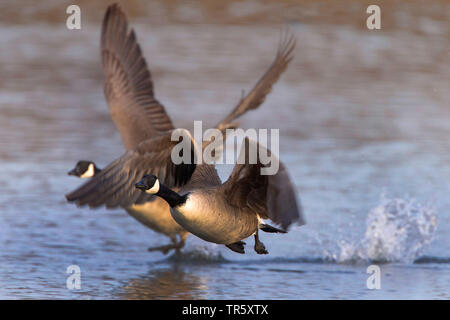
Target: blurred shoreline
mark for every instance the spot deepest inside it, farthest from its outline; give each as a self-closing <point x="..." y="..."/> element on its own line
<point x="396" y="14"/>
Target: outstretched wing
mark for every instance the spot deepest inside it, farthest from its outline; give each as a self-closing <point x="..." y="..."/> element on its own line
<point x="269" y="196"/>
<point x="128" y="83"/>
<point x="262" y="88"/>
<point x="114" y="185"/>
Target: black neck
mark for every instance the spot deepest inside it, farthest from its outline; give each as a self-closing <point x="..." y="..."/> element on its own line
<point x="96" y="170"/>
<point x="171" y="197"/>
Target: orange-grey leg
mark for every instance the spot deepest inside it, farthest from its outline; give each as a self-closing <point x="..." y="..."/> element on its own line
<point x="260" y="248"/>
<point x="175" y="245"/>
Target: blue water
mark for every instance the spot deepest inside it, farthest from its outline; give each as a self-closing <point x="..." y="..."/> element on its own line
<point x="363" y="121"/>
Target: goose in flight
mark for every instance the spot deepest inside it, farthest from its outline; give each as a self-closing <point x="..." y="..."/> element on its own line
<point x="221" y="213"/>
<point x="142" y="120"/>
<point x="226" y="213"/>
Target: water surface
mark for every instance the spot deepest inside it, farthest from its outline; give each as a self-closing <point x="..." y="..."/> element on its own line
<point x="364" y="124"/>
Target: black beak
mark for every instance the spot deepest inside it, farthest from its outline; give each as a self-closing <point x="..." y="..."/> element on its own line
<point x="72" y="172"/>
<point x="141" y="185"/>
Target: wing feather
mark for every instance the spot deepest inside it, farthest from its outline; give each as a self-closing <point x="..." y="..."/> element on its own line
<point x="264" y="85"/>
<point x="114" y="186"/>
<point x="269" y="196"/>
<point x="128" y="83"/>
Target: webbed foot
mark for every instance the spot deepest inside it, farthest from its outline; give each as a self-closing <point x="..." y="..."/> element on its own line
<point x="237" y="247"/>
<point x="164" y="249"/>
<point x="176" y="245"/>
<point x="260" y="248"/>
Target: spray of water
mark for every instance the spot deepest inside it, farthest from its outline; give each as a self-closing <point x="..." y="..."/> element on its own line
<point x="398" y="230"/>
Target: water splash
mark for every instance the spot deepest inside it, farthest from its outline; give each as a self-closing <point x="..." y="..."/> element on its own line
<point x="398" y="230"/>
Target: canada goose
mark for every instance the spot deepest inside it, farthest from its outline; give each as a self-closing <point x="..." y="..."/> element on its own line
<point x="153" y="214"/>
<point x="221" y="213"/>
<point x="142" y="120"/>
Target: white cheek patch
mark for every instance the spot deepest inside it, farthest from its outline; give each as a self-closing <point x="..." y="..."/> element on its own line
<point x="153" y="189"/>
<point x="89" y="173"/>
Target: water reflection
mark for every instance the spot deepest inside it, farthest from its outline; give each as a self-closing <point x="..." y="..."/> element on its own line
<point x="169" y="283"/>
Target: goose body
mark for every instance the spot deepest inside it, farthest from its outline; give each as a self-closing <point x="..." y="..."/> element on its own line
<point x="227" y="213"/>
<point x="201" y="216"/>
<point x="156" y="216"/>
<point x="145" y="130"/>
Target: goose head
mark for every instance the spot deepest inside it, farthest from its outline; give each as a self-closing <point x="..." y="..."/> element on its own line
<point x="149" y="184"/>
<point x="84" y="169"/>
